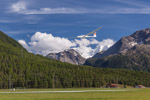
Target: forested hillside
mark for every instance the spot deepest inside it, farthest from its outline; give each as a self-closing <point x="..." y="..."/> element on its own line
<point x="18" y="68"/>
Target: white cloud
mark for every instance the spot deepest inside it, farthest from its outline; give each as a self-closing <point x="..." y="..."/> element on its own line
<point x="133" y="3"/>
<point x="7" y="21"/>
<point x="24" y="44"/>
<point x="43" y="43"/>
<point x="21" y="8"/>
<point x="132" y="11"/>
<point x="137" y="8"/>
<point x="53" y="11"/>
<point x="85" y="46"/>
<point x="104" y="45"/>
<point x="18" y="7"/>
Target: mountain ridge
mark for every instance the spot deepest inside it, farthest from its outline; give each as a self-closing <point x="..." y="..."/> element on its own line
<point x="127" y="42"/>
<point x="5" y="38"/>
<point x="130" y="52"/>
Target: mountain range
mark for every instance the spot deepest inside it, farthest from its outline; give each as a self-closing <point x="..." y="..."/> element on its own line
<point x="130" y="52"/>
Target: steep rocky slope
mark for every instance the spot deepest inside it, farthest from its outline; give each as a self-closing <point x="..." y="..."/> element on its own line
<point x="126" y="43"/>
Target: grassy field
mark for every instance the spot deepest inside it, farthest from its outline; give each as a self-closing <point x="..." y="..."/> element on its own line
<point x="128" y="94"/>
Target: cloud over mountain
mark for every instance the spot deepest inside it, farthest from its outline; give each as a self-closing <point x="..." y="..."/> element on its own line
<point x="24" y="44"/>
<point x="44" y="43"/>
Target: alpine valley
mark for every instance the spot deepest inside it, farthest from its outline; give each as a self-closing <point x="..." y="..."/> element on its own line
<point x="21" y="69"/>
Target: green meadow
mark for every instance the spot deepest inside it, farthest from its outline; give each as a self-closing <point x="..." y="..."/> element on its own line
<point x="127" y="94"/>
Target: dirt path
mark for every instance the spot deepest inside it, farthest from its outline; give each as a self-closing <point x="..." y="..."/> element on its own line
<point x="61" y="91"/>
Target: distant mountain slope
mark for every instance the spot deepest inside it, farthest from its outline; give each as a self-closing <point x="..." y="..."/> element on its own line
<point x="70" y="56"/>
<point x="131" y="52"/>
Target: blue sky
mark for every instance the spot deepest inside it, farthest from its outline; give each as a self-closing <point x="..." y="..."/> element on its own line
<point x="21" y="19"/>
<point x="67" y="18"/>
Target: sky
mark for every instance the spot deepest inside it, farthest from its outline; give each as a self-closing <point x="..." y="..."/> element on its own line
<point x="47" y="26"/>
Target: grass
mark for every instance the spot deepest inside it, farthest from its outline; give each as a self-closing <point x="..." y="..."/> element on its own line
<point x="131" y="94"/>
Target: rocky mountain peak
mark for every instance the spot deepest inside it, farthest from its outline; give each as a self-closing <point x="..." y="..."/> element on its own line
<point x="69" y="56"/>
<point x="142" y="36"/>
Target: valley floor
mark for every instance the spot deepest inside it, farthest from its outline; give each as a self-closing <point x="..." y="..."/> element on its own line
<point x="76" y="94"/>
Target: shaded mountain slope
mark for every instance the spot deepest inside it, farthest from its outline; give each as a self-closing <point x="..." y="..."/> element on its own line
<point x="137" y="58"/>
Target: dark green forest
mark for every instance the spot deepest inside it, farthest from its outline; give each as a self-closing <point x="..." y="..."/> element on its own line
<point x="21" y="69"/>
